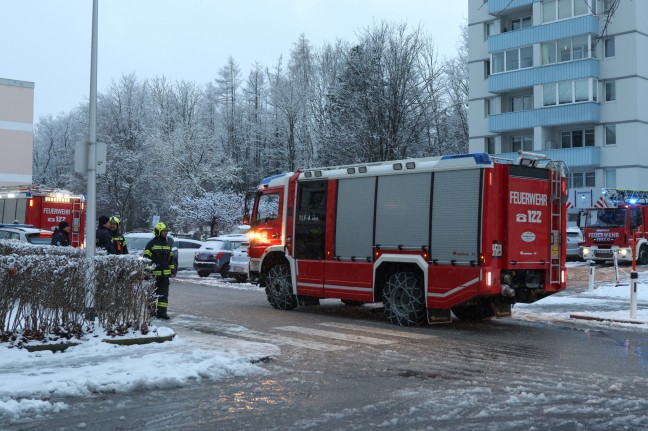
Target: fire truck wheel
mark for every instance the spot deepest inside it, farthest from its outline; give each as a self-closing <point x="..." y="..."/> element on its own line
<point x="642" y="258"/>
<point x="279" y="288"/>
<point x="404" y="300"/>
<point x="203" y="273"/>
<point x="474" y="312"/>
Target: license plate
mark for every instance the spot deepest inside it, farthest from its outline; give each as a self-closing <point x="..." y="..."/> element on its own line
<point x="604" y="253"/>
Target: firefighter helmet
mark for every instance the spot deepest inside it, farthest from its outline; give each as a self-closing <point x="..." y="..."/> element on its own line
<point x="113" y="220"/>
<point x="157" y="230"/>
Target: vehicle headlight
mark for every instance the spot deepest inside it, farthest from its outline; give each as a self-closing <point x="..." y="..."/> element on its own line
<point x="586" y="250"/>
<point x="623" y="251"/>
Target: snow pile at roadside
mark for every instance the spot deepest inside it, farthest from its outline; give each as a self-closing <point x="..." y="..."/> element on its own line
<point x="30" y="380"/>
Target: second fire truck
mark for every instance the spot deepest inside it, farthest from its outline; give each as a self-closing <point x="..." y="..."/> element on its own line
<point x="425" y="237"/>
<point x="619" y="230"/>
<point x="43" y="209"/>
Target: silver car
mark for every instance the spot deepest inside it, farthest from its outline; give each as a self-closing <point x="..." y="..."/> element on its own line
<point x="574" y="241"/>
<point x="240" y="264"/>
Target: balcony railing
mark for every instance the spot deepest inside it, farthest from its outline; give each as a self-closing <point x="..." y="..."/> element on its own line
<point x="497" y="6"/>
<point x="588" y="112"/>
<point x="501" y="82"/>
<point x="583" y="157"/>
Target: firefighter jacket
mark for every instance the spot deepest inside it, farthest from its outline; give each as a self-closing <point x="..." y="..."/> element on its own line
<point x="119" y="242"/>
<point x="104" y="239"/>
<point x="159" y="251"/>
<point x="61" y="238"/>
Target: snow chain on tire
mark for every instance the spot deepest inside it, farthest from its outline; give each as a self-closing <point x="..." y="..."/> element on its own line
<point x="279" y="288"/>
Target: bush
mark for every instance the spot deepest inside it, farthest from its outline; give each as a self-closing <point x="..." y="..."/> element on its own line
<point x="45" y="294"/>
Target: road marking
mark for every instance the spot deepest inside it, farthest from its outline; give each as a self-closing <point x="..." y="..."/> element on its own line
<point x="375" y="330"/>
<point x="287" y="341"/>
<point x="336" y="335"/>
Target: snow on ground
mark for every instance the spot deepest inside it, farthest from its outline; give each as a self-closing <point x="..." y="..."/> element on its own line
<point x="29" y="380"/>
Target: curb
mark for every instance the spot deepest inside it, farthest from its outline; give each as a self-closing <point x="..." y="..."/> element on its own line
<point x="62" y="347"/>
<point x="606" y="319"/>
<point x="134" y="341"/>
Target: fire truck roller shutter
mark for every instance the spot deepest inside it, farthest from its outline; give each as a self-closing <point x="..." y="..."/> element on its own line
<point x="13" y="209"/>
<point x="403" y="209"/>
<point x="355" y="217"/>
<point x="456" y="210"/>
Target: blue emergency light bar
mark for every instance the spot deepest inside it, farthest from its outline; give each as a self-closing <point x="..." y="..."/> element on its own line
<point x="480" y="158"/>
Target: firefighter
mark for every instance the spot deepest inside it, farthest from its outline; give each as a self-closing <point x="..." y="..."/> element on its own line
<point x="158" y="250"/>
<point x="62" y="235"/>
<point x="118" y="239"/>
<point x="104" y="238"/>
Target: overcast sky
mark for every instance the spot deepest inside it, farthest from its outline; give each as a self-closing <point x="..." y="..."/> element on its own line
<point x="48" y="41"/>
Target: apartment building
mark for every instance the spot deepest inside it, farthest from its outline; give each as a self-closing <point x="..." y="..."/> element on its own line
<point x="16" y="131"/>
<point x="558" y="77"/>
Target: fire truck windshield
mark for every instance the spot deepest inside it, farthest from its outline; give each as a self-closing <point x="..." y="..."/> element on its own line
<point x="606" y="217"/>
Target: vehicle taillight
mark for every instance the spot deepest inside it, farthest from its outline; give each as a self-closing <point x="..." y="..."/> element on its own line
<point x="218" y="255"/>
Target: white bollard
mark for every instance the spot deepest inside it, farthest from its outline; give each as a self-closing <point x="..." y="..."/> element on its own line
<point x="634" y="276"/>
<point x="616" y="267"/>
<point x="591" y="275"/>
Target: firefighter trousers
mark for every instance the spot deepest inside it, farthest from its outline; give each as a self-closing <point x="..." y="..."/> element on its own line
<point x="162" y="293"/>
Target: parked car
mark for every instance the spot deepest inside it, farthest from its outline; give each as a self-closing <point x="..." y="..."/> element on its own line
<point x="240" y="263"/>
<point x="26" y="233"/>
<point x="186" y="250"/>
<point x="136" y="243"/>
<point x="574" y="240"/>
<point x="214" y="255"/>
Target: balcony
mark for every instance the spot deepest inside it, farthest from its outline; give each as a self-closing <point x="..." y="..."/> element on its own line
<point x="588" y="112"/>
<point x="584" y="157"/>
<point x="497" y="6"/>
<point x="587" y="24"/>
<point x="523" y="78"/>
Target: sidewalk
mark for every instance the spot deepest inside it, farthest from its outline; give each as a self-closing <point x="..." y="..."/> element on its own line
<point x="607" y="304"/>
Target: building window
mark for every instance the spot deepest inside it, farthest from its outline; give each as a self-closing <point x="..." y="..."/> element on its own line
<point x="524" y="143"/>
<point x="610" y="134"/>
<point x="568" y="92"/>
<point x="582" y="179"/>
<point x="512" y="59"/>
<point x="568" y="49"/>
<point x="562" y="9"/>
<point x="610" y="91"/>
<point x="489" y="145"/>
<point x="489" y="30"/>
<point x="521" y="103"/>
<point x="489" y="107"/>
<point x="487" y="67"/>
<point x="609" y="47"/>
<point x="610" y="178"/>
<point x="564" y="50"/>
<point x="519" y="23"/>
<point x="577" y="138"/>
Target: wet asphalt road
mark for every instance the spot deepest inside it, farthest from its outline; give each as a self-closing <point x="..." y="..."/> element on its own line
<point x="344" y="368"/>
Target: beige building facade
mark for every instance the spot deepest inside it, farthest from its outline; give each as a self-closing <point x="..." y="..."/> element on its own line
<point x="16" y="131"/>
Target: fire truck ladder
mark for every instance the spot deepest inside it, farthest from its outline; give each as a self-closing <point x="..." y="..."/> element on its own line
<point x="557" y="170"/>
<point x="621" y="196"/>
<point x="76" y="223"/>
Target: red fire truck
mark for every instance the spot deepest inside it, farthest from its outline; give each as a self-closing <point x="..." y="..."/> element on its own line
<point x="467" y="234"/>
<point x="44" y="209"/>
<point x="618" y="231"/>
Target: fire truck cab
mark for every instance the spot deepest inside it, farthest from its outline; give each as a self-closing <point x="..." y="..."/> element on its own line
<point x="466" y="233"/>
<point x="616" y="232"/>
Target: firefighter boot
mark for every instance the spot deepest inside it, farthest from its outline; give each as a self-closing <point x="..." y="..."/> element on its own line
<point x="162" y="314"/>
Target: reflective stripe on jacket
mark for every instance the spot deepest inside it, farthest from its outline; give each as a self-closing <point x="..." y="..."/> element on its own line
<point x="159" y="251"/>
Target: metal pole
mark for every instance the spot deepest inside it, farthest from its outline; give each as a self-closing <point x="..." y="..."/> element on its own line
<point x="634" y="275"/>
<point x="91" y="204"/>
<point x="616" y="267"/>
<point x="592" y="274"/>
